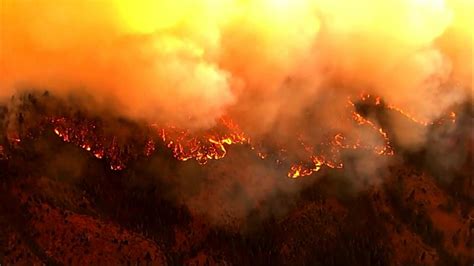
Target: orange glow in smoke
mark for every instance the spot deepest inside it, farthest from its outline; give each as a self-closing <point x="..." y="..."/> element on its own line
<point x="180" y="66"/>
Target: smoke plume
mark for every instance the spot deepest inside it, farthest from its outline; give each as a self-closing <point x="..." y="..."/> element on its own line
<point x="187" y="62"/>
<point x="283" y="69"/>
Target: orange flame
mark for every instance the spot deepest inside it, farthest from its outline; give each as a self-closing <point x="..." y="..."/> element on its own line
<point x="213" y="144"/>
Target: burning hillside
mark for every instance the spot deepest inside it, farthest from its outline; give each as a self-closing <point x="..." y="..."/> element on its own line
<point x="137" y="159"/>
<point x="90" y="134"/>
<point x="236" y="132"/>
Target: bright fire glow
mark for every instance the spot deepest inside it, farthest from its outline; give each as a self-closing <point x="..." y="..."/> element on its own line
<point x="184" y="66"/>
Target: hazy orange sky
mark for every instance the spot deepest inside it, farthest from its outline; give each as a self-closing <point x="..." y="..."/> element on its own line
<point x="186" y="62"/>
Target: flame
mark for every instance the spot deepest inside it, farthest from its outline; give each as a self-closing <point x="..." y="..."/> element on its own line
<point x="214" y="144"/>
<point x="88" y="136"/>
<point x="167" y="61"/>
<point x="209" y="146"/>
<point x="377" y="101"/>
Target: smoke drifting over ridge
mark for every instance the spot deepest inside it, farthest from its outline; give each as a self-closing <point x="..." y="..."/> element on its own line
<point x="187" y="63"/>
<point x="282" y="69"/>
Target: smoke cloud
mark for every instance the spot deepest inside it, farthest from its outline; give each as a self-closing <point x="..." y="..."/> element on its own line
<point x="186" y="63"/>
<point x="283" y="69"/>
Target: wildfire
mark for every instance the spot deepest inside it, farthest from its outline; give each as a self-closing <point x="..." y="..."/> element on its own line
<point x="409" y="116"/>
<point x="337" y="145"/>
<point x="208" y="146"/>
<point x="377" y="101"/>
<point x="89" y="136"/>
<point x="213" y="144"/>
<point x="165" y="61"/>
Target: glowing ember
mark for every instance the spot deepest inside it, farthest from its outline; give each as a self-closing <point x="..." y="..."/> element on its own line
<point x="194" y="57"/>
<point x="86" y="135"/>
<point x="213" y="144"/>
<point x="209" y="146"/>
<point x="409" y="116"/>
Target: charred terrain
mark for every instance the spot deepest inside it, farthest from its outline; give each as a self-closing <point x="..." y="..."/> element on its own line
<point x="78" y="189"/>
